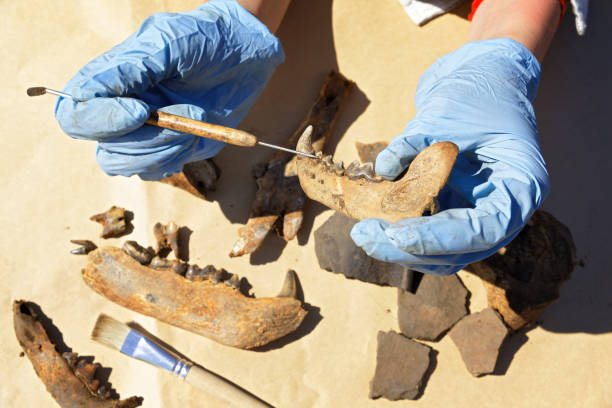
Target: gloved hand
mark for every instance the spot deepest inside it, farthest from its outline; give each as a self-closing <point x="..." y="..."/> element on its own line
<point x="478" y="97"/>
<point x="209" y="64"/>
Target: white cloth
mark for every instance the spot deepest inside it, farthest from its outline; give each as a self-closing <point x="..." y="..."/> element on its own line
<point x="421" y="11"/>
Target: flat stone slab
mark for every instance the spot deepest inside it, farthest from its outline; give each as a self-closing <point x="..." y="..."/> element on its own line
<point x="479" y="337"/>
<point x="401" y="364"/>
<point x="337" y="253"/>
<point x="439" y="302"/>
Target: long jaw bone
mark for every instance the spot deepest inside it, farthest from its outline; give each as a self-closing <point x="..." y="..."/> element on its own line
<point x="206" y="306"/>
<point x="70" y="379"/>
<point x="364" y="195"/>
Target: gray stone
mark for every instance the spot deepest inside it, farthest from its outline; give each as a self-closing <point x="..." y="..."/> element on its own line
<point x="439" y="302"/>
<point x="401" y="364"/>
<point x="478" y="337"/>
<point x="337" y="253"/>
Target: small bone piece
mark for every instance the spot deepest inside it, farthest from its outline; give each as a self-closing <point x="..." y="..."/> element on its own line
<point x="86" y="246"/>
<point x="167" y="237"/>
<point x="68" y="379"/>
<point x="114" y="221"/>
<point x="197" y="178"/>
<point x="279" y="195"/>
<point x="363" y="197"/>
<point x="218" y="312"/>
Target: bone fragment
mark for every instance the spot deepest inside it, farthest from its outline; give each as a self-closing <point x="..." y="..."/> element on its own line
<point x="68" y="378"/>
<point x="114" y="222"/>
<point x="197" y="178"/>
<point x="364" y="197"/>
<point x="205" y="307"/>
<point x="279" y="194"/>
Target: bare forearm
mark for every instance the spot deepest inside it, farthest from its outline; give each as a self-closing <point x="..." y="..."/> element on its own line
<point x="531" y="22"/>
<point x="269" y="12"/>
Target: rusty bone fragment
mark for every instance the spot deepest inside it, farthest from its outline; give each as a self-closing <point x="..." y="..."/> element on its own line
<point x="217" y="311"/>
<point x="69" y="379"/>
<point x="278" y="190"/>
<point x="359" y="194"/>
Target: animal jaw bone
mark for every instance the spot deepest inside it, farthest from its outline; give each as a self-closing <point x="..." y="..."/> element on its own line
<point x="68" y="378"/>
<point x="204" y="306"/>
<point x="279" y="194"/>
<point x="361" y="195"/>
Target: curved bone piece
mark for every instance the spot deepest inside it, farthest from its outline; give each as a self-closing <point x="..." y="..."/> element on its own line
<point x="216" y="311"/>
<point x="366" y="197"/>
<point x="69" y="380"/>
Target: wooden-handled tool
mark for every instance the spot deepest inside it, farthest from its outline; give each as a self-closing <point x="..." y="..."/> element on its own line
<point x="187" y="125"/>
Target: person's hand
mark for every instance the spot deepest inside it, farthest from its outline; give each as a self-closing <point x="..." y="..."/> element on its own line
<point x="209" y="64"/>
<point x="478" y="97"/>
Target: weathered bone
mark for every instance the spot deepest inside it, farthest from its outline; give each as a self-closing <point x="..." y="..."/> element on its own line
<point x="68" y="379"/>
<point x="114" y="222"/>
<point x="363" y="197"/>
<point x="278" y="190"/>
<point x="197" y="178"/>
<point x="218" y="312"/>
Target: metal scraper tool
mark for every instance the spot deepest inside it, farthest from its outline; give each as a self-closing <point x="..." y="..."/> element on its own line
<point x="188" y="125"/>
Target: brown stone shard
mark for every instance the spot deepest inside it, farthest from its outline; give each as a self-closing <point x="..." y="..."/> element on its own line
<point x="370" y="197"/>
<point x="479" y="337"/>
<point x="69" y="379"/>
<point x="115" y="222"/>
<point x="525" y="276"/>
<point x="367" y="152"/>
<point x="401" y="364"/>
<point x="278" y="189"/>
<point x="337" y="253"/>
<point x="439" y="302"/>
<point x="204" y="306"/>
<point x="197" y="178"/>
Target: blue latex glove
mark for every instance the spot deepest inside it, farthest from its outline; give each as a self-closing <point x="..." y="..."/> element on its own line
<point x="478" y="97"/>
<point x="209" y="64"/>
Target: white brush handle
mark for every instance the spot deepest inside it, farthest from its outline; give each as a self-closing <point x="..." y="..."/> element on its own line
<point x="221" y="388"/>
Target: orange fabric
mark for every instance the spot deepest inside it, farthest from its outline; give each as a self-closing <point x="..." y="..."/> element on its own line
<point x="476" y="3"/>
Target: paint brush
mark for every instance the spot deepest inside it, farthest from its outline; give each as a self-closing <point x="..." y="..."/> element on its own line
<point x="133" y="343"/>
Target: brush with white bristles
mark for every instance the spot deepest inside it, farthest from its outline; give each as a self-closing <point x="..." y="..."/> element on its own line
<point x="133" y="343"/>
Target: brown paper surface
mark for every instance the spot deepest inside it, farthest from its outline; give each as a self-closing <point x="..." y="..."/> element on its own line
<point x="51" y="184"/>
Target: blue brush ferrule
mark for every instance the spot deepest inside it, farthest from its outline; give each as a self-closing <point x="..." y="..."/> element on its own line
<point x="138" y="346"/>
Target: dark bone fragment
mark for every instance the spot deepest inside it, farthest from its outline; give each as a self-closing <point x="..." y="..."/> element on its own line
<point x="197" y="178"/>
<point x="69" y="379"/>
<point x="401" y="364"/>
<point x="205" y="307"/>
<point x="167" y="237"/>
<point x="115" y="222"/>
<point x="336" y="252"/>
<point x="479" y="337"/>
<point x="279" y="195"/>
<point x="525" y="276"/>
<point x="439" y="302"/>
<point x="86" y="246"/>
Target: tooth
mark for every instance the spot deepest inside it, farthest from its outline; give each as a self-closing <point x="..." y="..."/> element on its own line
<point x="115" y="221"/>
<point x="319" y="154"/>
<point x="173" y="264"/>
<point x="138" y="252"/>
<point x="194" y="273"/>
<point x="217" y="276"/>
<point x="233" y="281"/>
<point x="339" y="168"/>
<point x="289" y="288"/>
<point x="85" y="248"/>
<point x="328" y="160"/>
<point x="167" y="237"/>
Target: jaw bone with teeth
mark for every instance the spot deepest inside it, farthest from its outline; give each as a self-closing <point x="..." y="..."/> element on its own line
<point x="206" y="301"/>
<point x="358" y="193"/>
